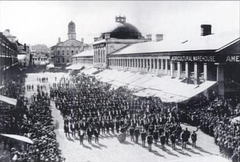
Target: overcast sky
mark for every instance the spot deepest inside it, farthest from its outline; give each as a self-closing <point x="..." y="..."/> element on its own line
<point x="44" y="21"/>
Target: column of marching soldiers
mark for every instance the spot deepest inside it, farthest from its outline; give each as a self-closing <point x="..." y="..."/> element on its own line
<point x="90" y="108"/>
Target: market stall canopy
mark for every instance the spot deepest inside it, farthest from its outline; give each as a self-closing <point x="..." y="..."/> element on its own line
<point x="8" y="100"/>
<point x="90" y="71"/>
<point x="50" y="66"/>
<point x="166" y="88"/>
<point x="174" y="94"/>
<point x="74" y="67"/>
<point x="236" y="120"/>
<point x="21" y="57"/>
<point x="19" y="138"/>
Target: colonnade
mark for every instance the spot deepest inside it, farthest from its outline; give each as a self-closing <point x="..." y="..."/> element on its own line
<point x="162" y="65"/>
<point x="151" y="65"/>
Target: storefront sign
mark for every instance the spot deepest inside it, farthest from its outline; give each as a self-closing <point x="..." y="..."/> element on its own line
<point x="193" y="58"/>
<point x="233" y="58"/>
<point x="207" y="59"/>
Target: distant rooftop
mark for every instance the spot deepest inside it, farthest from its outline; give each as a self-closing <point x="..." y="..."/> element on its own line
<point x="210" y="42"/>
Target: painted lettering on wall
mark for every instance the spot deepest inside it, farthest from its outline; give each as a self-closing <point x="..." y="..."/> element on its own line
<point x="194" y="58"/>
<point x="233" y="59"/>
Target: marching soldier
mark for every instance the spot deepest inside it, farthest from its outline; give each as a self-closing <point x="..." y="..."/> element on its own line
<point x="143" y="137"/>
<point x="150" y="141"/>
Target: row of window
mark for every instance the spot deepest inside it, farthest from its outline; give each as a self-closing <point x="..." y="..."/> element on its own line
<point x="39" y="59"/>
<point x="141" y="63"/>
<point x="62" y="60"/>
<point x="4" y="49"/>
<point x="67" y="52"/>
<point x="84" y="61"/>
<point x="99" y="55"/>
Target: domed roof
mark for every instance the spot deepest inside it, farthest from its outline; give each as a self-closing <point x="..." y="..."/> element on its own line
<point x="123" y="30"/>
<point x="71" y="24"/>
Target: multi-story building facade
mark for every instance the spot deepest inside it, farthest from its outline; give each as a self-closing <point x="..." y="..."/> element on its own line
<point x="40" y="59"/>
<point x="63" y="51"/>
<point x="174" y="71"/>
<point x="8" y="59"/>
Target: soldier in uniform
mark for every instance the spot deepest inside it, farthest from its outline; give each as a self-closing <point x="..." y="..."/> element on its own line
<point x="81" y="135"/>
<point x="89" y="134"/>
<point x="131" y="130"/>
<point x="136" y="133"/>
<point x="173" y="140"/>
<point x="117" y="126"/>
<point x="96" y="134"/>
<point x="155" y="136"/>
<point x="150" y="141"/>
<point x="66" y="130"/>
<point x="143" y="137"/>
<point x="163" y="141"/>
<point x="194" y="139"/>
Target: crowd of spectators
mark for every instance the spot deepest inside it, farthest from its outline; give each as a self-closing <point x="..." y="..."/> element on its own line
<point x="216" y="119"/>
<point x="33" y="121"/>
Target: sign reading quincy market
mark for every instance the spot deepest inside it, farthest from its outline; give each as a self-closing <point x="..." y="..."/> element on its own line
<point x="209" y="58"/>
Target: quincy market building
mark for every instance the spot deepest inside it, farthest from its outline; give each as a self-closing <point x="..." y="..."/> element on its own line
<point x="173" y="71"/>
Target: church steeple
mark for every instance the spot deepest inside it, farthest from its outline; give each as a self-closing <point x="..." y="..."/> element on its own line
<point x="71" y="30"/>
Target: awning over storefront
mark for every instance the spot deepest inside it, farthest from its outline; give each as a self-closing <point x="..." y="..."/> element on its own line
<point x="74" y="67"/>
<point x="171" y="94"/>
<point x="90" y="71"/>
<point x="50" y="66"/>
<point x="8" y="100"/>
<point x="18" y="137"/>
<point x="166" y="88"/>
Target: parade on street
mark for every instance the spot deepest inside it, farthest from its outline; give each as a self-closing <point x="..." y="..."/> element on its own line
<point x="113" y="81"/>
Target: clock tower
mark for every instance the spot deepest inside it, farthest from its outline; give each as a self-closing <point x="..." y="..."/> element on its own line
<point x="71" y="30"/>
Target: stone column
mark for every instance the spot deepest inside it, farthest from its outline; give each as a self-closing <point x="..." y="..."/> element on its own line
<point x="186" y="70"/>
<point x="166" y="66"/>
<point x="172" y="68"/>
<point x="196" y="73"/>
<point x="162" y="65"/>
<point x="140" y="64"/>
<point x="158" y="65"/>
<point x="205" y="74"/>
<point x="220" y="80"/>
<point x="150" y="68"/>
<point x="179" y="69"/>
<point x="137" y="64"/>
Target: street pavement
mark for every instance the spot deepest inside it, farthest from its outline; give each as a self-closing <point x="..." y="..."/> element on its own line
<point x="110" y="150"/>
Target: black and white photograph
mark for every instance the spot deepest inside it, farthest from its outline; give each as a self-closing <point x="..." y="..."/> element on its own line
<point x="119" y="81"/>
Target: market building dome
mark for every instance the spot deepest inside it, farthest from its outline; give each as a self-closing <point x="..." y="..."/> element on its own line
<point x="122" y="30"/>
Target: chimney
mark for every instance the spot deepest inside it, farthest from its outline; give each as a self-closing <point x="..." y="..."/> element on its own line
<point x="59" y="40"/>
<point x="95" y="39"/>
<point x="206" y="29"/>
<point x="25" y="47"/>
<point x="149" y="37"/>
<point x="82" y="40"/>
<point x="159" y="37"/>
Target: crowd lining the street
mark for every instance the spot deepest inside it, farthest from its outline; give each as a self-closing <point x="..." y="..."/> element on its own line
<point x="32" y="120"/>
<point x="215" y="119"/>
